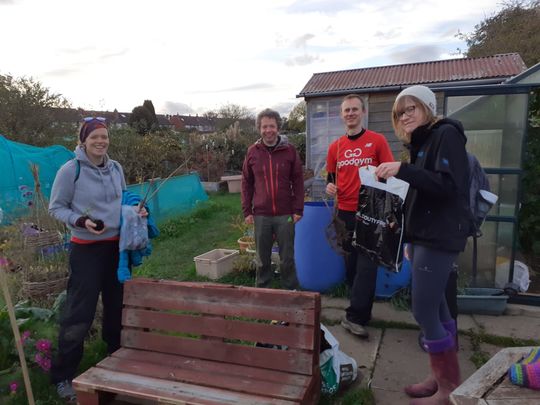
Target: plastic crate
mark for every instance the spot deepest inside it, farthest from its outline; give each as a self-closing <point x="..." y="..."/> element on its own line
<point x="234" y="183"/>
<point x="482" y="301"/>
<point x="215" y="263"/>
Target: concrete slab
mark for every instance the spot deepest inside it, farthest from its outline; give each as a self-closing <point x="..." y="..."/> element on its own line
<point x="364" y="351"/>
<point x="384" y="311"/>
<point x="332" y="315"/>
<point x="521" y="327"/>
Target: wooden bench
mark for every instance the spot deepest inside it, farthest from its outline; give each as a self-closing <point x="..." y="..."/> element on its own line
<point x="490" y="384"/>
<point x="194" y="343"/>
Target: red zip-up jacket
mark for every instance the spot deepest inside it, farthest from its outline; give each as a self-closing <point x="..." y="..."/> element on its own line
<point x="272" y="180"/>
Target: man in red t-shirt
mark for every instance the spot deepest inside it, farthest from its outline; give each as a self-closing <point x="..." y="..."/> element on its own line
<point x="358" y="147"/>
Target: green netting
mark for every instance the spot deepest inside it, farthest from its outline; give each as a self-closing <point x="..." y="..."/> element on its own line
<point x="16" y="181"/>
<point x="176" y="196"/>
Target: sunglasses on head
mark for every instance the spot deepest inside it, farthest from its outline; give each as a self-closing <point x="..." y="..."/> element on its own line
<point x="88" y="119"/>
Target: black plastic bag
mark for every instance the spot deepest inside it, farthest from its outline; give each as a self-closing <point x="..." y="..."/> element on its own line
<point x="379" y="220"/>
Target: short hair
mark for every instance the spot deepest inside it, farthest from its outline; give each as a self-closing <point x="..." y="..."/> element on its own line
<point x="399" y="104"/>
<point x="350" y="96"/>
<point x="268" y="113"/>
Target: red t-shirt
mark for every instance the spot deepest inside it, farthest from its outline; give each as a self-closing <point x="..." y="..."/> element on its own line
<point x="344" y="158"/>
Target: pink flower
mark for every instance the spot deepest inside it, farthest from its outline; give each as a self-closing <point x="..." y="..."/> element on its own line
<point x="45" y="364"/>
<point x="43" y="345"/>
<point x="3" y="261"/>
<point x="13" y="387"/>
<point x="25" y="336"/>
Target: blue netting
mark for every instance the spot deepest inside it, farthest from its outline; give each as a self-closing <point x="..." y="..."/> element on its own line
<point x="177" y="196"/>
<point x="16" y="181"/>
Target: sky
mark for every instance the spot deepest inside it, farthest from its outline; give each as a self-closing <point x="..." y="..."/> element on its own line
<point x="190" y="57"/>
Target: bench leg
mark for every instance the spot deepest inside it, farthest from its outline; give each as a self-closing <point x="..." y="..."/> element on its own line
<point x="87" y="398"/>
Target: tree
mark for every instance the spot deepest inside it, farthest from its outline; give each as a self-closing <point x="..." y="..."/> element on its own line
<point x="143" y="118"/>
<point x="516" y="28"/>
<point x="230" y="113"/>
<point x="297" y="118"/>
<point x="26" y="110"/>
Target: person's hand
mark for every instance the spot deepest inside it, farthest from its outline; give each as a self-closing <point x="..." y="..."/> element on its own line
<point x="91" y="227"/>
<point x="407" y="251"/>
<point x="296" y="218"/>
<point x="249" y="219"/>
<point x="331" y="189"/>
<point x="142" y="212"/>
<point x="388" y="169"/>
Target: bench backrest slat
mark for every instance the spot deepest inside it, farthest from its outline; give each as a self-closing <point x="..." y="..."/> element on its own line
<point x="222" y="323"/>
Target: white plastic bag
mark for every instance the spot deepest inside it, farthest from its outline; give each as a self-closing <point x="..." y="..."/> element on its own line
<point x="337" y="368"/>
<point x="134" y="230"/>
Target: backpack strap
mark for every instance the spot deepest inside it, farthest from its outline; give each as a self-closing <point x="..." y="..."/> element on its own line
<point x="77" y="169"/>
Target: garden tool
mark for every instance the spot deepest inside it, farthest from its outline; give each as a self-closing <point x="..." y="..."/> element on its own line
<point x="16" y="334"/>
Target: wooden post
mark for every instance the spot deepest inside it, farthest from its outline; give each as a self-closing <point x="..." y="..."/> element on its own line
<point x="16" y="334"/>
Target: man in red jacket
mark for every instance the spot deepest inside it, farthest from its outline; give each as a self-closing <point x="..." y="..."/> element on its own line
<point x="273" y="198"/>
<point x="358" y="147"/>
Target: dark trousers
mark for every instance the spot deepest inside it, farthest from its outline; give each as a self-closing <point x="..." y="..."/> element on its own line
<point x="431" y="270"/>
<point x="92" y="270"/>
<point x="282" y="227"/>
<point x="361" y="275"/>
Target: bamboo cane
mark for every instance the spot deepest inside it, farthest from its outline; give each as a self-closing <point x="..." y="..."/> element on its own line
<point x="163" y="182"/>
<point x="16" y="334"/>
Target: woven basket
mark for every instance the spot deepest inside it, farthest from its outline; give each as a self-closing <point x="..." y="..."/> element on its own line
<point x="39" y="289"/>
<point x="42" y="239"/>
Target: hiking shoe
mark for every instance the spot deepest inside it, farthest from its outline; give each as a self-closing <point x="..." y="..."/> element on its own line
<point x="355" y="328"/>
<point x="65" y="391"/>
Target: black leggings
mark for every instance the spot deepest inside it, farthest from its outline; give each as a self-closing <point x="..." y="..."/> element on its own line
<point x="92" y="271"/>
<point x="431" y="269"/>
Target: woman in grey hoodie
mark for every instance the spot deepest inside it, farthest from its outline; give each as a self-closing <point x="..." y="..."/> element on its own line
<point x="86" y="196"/>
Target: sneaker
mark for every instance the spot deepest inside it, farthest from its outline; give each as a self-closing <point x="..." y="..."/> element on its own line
<point x="355" y="328"/>
<point x="65" y="390"/>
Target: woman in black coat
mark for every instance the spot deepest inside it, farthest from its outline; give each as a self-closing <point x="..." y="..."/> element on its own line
<point x="437" y="224"/>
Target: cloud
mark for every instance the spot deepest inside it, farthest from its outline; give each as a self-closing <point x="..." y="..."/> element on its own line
<point x="284" y="108"/>
<point x="301" y="42"/>
<point x="320" y="6"/>
<point x="303" y="60"/>
<point x="113" y="54"/>
<point x="248" y="87"/>
<point x="386" y="35"/>
<point x="172" y="107"/>
<point x="420" y="53"/>
<point x="62" y="72"/>
<point x="6" y="2"/>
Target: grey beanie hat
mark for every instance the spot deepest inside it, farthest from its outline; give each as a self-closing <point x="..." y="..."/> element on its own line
<point x="422" y="93"/>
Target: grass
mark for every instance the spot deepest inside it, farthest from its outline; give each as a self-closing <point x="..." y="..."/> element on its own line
<point x="208" y="227"/>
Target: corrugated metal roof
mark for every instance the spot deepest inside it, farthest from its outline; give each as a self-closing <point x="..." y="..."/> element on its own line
<point x="500" y="66"/>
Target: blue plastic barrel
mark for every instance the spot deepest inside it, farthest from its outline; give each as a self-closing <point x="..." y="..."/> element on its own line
<point x="318" y="266"/>
<point x="390" y="282"/>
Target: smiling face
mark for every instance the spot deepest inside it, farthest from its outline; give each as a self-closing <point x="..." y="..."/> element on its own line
<point x="269" y="131"/>
<point x="352" y="114"/>
<point x="96" y="145"/>
<point x="409" y="114"/>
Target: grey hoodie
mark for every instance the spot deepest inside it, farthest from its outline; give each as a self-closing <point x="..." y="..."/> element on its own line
<point x="96" y="193"/>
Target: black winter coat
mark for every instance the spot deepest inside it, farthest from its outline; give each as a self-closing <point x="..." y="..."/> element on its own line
<point x="437" y="211"/>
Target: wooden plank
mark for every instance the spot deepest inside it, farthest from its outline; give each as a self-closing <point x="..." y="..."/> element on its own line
<point x="293" y="336"/>
<point x="292" y="307"/>
<point x="284" y="360"/>
<point x="209" y="291"/>
<point x="212" y="367"/>
<point x="157" y="390"/>
<point x="491" y="373"/>
<point x="220" y="380"/>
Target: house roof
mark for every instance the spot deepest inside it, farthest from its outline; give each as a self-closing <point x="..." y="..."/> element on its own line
<point x="451" y="71"/>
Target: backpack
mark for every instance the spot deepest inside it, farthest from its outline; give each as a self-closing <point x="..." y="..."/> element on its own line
<point x="480" y="198"/>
